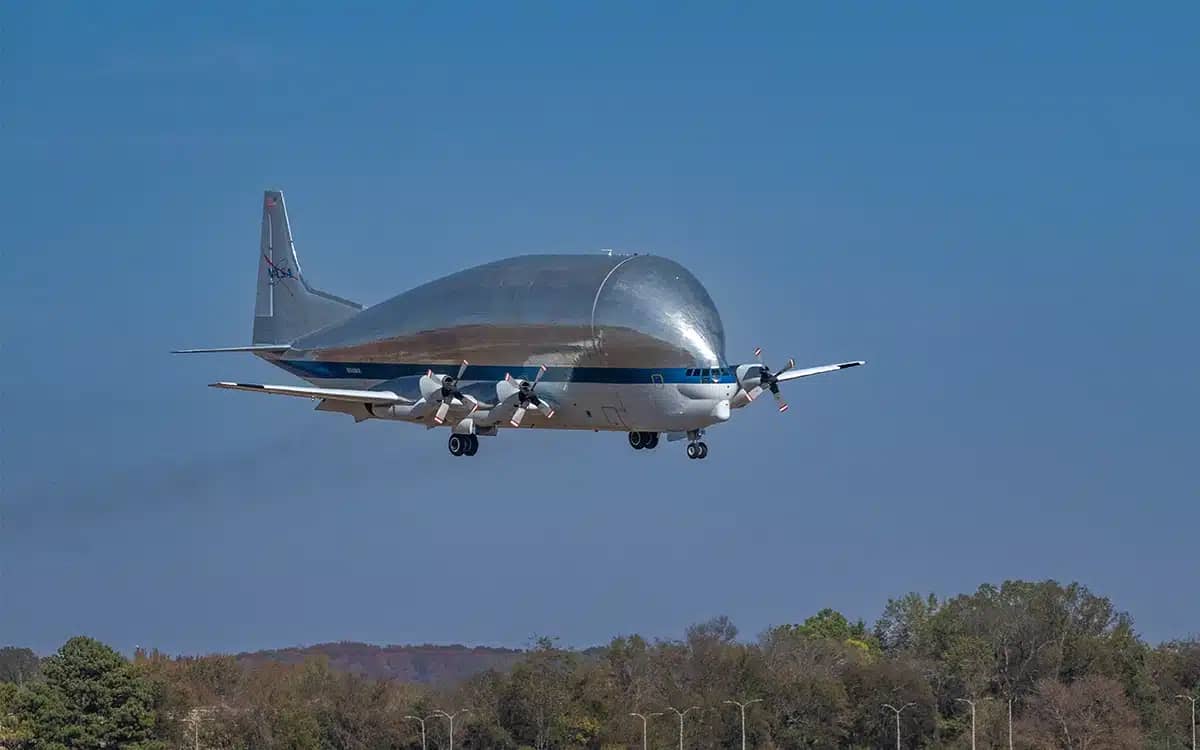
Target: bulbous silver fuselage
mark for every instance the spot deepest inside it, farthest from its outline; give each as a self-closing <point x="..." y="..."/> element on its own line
<point x="636" y="311"/>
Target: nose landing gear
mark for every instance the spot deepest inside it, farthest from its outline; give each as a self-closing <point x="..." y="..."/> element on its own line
<point x="463" y="445"/>
<point x="698" y="449"/>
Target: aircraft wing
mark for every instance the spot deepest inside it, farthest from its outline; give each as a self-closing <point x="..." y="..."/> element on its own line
<point x="793" y="374"/>
<point x="252" y="348"/>
<point x="331" y="394"/>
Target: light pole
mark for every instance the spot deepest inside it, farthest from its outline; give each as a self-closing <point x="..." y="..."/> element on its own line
<point x="971" y="703"/>
<point x="681" y="714"/>
<point x="1191" y="698"/>
<point x="451" y="716"/>
<point x="1010" y="741"/>
<point x="644" y="718"/>
<point x="742" y="706"/>
<point x="422" y="721"/>
<point x="898" y="711"/>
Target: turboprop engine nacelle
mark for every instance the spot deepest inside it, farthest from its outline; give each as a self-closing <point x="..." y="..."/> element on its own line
<point x="393" y="411"/>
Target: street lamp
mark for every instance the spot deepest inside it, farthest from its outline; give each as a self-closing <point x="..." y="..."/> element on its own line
<point x="898" y="711"/>
<point x="681" y="714"/>
<point x="971" y="703"/>
<point x="422" y="721"/>
<point x="644" y="718"/>
<point x="450" y="716"/>
<point x="742" y="706"/>
<point x="1191" y="698"/>
<point x="1010" y="741"/>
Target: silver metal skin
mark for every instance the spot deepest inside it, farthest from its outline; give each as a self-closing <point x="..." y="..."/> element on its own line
<point x="617" y="332"/>
<point x="631" y="343"/>
<point x="557" y="310"/>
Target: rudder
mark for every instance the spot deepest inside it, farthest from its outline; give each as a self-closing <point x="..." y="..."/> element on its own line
<point x="286" y="307"/>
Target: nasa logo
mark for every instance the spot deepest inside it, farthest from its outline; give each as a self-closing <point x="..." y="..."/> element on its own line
<point x="277" y="273"/>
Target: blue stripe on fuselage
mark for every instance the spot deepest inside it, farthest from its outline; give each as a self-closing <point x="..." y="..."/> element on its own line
<point x="387" y="371"/>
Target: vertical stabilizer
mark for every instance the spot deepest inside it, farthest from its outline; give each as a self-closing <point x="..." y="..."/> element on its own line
<point x="287" y="307"/>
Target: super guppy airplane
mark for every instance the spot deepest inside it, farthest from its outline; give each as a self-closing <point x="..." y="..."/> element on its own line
<point x="624" y="343"/>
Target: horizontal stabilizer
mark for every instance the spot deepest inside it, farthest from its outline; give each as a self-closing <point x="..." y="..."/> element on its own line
<point x="254" y="348"/>
<point x="333" y="394"/>
<point x="793" y="374"/>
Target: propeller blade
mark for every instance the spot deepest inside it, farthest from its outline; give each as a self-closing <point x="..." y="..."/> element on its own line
<point x="758" y="354"/>
<point x="790" y="364"/>
<point x="517" y="416"/>
<point x="440" y="415"/>
<point x="543" y="405"/>
<point x="461" y="370"/>
<point x="538" y="377"/>
<point x="779" y="399"/>
<point x="754" y="392"/>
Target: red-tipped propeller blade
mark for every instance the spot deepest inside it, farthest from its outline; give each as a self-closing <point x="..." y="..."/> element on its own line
<point x="442" y="410"/>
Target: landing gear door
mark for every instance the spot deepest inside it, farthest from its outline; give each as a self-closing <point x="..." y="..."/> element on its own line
<point x="613" y="416"/>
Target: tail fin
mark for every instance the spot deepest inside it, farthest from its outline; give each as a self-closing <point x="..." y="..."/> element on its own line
<point x="287" y="307"/>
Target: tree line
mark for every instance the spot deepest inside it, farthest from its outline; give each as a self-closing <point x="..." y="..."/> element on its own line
<point x="1064" y="663"/>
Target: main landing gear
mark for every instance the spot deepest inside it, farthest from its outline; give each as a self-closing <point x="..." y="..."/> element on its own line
<point x="698" y="449"/>
<point x="463" y="445"/>
<point x="639" y="440"/>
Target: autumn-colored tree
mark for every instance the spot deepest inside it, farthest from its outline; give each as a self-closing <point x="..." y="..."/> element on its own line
<point x="1091" y="713"/>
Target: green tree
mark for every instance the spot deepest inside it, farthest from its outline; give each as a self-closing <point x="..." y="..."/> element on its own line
<point x="90" y="698"/>
<point x="16" y="731"/>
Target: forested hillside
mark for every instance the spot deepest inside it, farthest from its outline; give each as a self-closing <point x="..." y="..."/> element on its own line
<point x="430" y="665"/>
<point x="1068" y="664"/>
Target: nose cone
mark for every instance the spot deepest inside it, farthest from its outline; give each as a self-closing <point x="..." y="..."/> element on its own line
<point x="652" y="312"/>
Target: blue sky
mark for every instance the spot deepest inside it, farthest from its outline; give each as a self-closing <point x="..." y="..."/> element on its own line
<point x="996" y="209"/>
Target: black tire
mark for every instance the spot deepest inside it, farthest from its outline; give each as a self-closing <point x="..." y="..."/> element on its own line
<point x="635" y="441"/>
<point x="703" y="450"/>
<point x="472" y="445"/>
<point x="651" y="440"/>
<point x="457" y="445"/>
<point x="693" y="451"/>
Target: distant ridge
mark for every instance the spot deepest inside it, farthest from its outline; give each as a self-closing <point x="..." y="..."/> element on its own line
<point x="427" y="664"/>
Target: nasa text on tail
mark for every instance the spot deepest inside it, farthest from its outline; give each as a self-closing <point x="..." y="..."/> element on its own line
<point x="625" y="343"/>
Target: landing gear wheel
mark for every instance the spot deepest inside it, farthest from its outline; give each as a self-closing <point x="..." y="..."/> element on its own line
<point x="472" y="445"/>
<point x="637" y="440"/>
<point x="693" y="450"/>
<point x="457" y="445"/>
<point x="703" y="450"/>
<point x="651" y="440"/>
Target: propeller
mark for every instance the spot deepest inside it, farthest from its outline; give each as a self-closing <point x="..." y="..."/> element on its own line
<point x="444" y="389"/>
<point x="523" y="392"/>
<point x="757" y="378"/>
